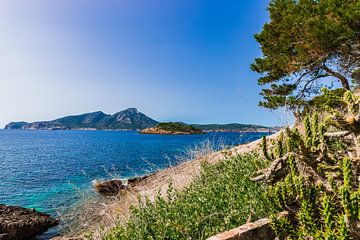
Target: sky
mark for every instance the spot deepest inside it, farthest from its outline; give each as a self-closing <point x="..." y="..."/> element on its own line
<point x="178" y="60"/>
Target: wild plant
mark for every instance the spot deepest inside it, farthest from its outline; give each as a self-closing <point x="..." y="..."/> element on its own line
<point x="316" y="182"/>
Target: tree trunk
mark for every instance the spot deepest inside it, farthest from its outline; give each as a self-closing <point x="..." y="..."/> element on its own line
<point x="343" y="80"/>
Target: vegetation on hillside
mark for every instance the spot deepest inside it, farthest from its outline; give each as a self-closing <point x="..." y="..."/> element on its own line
<point x="177" y="126"/>
<point x="172" y="128"/>
<point x="221" y="198"/>
<point x="306" y="45"/>
<point x="315" y="173"/>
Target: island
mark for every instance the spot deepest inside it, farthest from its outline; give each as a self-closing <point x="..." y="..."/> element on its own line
<point x="128" y="119"/>
<point x="172" y="128"/>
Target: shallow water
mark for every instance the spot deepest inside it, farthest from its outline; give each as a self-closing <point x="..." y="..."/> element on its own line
<point x="49" y="170"/>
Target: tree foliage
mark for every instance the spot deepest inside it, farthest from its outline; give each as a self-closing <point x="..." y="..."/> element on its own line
<point x="307" y="44"/>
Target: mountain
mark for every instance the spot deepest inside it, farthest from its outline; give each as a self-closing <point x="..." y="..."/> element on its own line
<point x="234" y="127"/>
<point x="129" y="119"/>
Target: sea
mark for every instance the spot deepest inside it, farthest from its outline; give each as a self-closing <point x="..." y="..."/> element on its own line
<point x="51" y="170"/>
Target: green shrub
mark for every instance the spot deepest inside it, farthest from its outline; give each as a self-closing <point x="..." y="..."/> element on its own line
<point x="320" y="186"/>
<point x="221" y="198"/>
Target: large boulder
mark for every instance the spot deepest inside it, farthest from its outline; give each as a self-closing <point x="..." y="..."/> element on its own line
<point x="109" y="187"/>
<point x="17" y="223"/>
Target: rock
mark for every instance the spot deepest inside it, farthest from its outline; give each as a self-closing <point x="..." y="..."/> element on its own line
<point x="67" y="238"/>
<point x="18" y="223"/>
<point x="258" y="230"/>
<point x="109" y="187"/>
<point x="136" y="180"/>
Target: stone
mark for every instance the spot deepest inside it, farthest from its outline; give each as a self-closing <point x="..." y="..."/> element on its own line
<point x="258" y="230"/>
<point x="109" y="187"/>
<point x="136" y="180"/>
<point x="17" y="223"/>
<point x="68" y="238"/>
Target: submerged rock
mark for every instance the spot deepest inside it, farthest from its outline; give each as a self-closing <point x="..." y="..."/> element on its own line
<point x="17" y="223"/>
<point x="109" y="187"/>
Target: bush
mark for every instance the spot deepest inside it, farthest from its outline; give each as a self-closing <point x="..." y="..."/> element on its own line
<point x="221" y="198"/>
<point x="319" y="185"/>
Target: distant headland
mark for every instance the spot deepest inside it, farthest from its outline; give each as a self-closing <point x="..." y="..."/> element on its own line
<point x="132" y="119"/>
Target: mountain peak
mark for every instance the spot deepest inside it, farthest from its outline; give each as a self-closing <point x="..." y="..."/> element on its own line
<point x="131" y="110"/>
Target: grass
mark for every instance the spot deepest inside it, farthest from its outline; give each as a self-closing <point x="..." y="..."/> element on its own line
<point x="221" y="198"/>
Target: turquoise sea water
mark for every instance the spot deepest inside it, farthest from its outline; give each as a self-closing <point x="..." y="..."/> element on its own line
<point x="45" y="169"/>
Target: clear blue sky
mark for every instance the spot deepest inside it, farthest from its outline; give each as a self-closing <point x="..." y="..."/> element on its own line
<point x="177" y="60"/>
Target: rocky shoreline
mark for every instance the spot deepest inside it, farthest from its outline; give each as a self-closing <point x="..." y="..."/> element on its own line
<point x="17" y="223"/>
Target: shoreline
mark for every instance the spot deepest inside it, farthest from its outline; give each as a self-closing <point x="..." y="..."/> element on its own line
<point x="138" y="130"/>
<point x="108" y="211"/>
